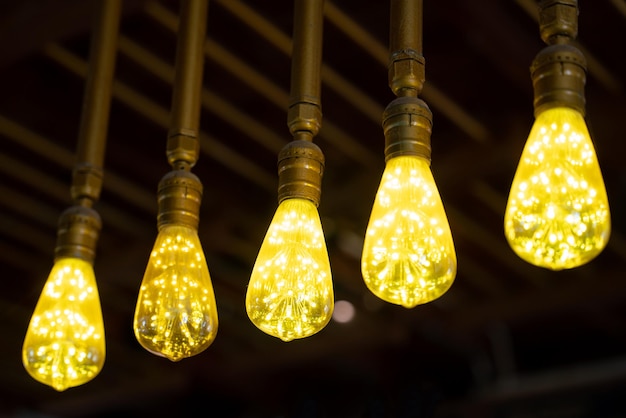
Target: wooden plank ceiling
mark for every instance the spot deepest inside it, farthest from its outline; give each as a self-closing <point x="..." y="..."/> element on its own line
<point x="508" y="338"/>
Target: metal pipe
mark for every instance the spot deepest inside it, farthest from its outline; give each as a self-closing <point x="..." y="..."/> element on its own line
<point x="305" y="113"/>
<point x="406" y="63"/>
<point x="407" y="120"/>
<point x="406" y="29"/>
<point x="182" y="145"/>
<point x="301" y="162"/>
<point x="267" y="88"/>
<point x="180" y="191"/>
<point x="87" y="174"/>
<point x="159" y="116"/>
<point x="79" y="225"/>
<point x="432" y="94"/>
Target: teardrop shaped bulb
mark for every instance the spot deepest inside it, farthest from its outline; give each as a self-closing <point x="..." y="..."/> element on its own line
<point x="290" y="294"/>
<point x="176" y="314"/>
<point x="408" y="254"/>
<point x="557" y="215"/>
<point x="64" y="345"/>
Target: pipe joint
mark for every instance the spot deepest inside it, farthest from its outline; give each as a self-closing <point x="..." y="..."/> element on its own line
<point x="407" y="72"/>
<point x="182" y="150"/>
<point x="304" y="116"/>
<point x="558" y="20"/>
<point x="86" y="183"/>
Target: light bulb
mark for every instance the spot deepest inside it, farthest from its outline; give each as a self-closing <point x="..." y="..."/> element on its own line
<point x="408" y="254"/>
<point x="176" y="314"/>
<point x="290" y="294"/>
<point x="64" y="345"/>
<point x="557" y="215"/>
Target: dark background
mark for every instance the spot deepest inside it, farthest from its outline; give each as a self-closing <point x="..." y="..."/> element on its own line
<point x="508" y="340"/>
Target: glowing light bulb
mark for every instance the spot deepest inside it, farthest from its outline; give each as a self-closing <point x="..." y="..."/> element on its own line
<point x="176" y="314"/>
<point x="290" y="294"/>
<point x="557" y="215"/>
<point x="64" y="345"/>
<point x="408" y="254"/>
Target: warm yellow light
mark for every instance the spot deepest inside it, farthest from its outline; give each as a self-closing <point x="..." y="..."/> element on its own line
<point x="176" y="315"/>
<point x="64" y="345"/>
<point x="557" y="214"/>
<point x="290" y="294"/>
<point x="408" y="254"/>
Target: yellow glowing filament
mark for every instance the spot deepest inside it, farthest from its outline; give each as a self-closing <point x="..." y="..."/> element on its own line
<point x="64" y="345"/>
<point x="290" y="294"/>
<point x="408" y="254"/>
<point x="557" y="214"/>
<point x="176" y="315"/>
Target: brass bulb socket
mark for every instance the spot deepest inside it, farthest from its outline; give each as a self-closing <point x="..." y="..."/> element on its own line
<point x="179" y="198"/>
<point x="559" y="75"/>
<point x="77" y="234"/>
<point x="86" y="182"/>
<point x="300" y="171"/>
<point x="407" y="123"/>
<point x="406" y="72"/>
<point x="558" y="19"/>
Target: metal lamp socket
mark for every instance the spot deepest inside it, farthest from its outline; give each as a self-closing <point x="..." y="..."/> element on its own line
<point x="559" y="75"/>
<point x="407" y="123"/>
<point x="300" y="171"/>
<point x="77" y="234"/>
<point x="179" y="198"/>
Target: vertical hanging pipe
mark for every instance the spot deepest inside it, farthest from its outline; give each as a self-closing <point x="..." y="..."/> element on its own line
<point x="183" y="145"/>
<point x="305" y="112"/>
<point x="79" y="225"/>
<point x="180" y="191"/>
<point x="88" y="172"/>
<point x="407" y="120"/>
<point x="406" y="62"/>
<point x="301" y="162"/>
